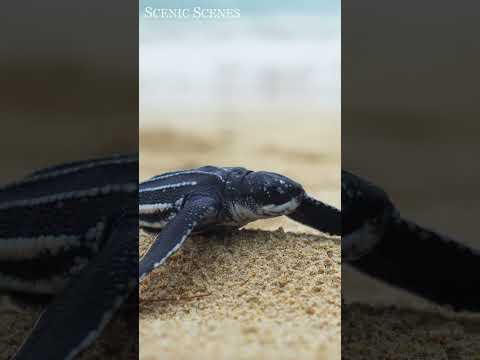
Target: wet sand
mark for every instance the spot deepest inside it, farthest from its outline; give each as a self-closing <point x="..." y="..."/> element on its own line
<point x="261" y="292"/>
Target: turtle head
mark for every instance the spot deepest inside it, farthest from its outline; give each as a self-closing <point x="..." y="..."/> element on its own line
<point x="273" y="194"/>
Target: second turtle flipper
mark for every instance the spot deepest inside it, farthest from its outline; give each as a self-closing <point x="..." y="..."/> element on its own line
<point x="78" y="315"/>
<point x="318" y="215"/>
<point x="427" y="264"/>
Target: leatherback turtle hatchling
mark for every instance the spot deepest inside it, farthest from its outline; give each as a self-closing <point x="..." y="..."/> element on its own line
<point x="71" y="231"/>
<point x="379" y="242"/>
<point x="175" y="204"/>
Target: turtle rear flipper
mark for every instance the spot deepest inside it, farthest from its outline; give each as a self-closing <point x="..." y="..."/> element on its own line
<point x="176" y="232"/>
<point x="427" y="264"/>
<point x="318" y="215"/>
<point x="77" y="316"/>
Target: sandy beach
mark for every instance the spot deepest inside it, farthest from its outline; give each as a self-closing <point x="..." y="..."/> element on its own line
<point x="270" y="291"/>
<point x="388" y="332"/>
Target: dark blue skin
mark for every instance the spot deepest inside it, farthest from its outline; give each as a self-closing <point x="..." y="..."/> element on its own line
<point x="90" y="295"/>
<point x="174" y="205"/>
<point x="379" y="242"/>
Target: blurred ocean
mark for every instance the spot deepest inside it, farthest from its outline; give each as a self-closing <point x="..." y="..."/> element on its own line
<point x="274" y="63"/>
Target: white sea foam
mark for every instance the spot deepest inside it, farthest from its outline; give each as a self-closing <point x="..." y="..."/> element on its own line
<point x="266" y="61"/>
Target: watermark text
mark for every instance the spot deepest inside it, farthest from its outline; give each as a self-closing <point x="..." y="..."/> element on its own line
<point x="196" y="13"/>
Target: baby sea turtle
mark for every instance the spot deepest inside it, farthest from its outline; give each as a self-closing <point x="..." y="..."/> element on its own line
<point x="71" y="231"/>
<point x="175" y="204"/>
<point x="379" y="242"/>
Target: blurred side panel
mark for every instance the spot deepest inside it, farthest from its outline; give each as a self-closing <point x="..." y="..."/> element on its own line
<point x="410" y="125"/>
<point x="69" y="92"/>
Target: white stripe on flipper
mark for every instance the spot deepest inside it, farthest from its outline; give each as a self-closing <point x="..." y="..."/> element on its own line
<point x="74" y="169"/>
<point x="23" y="248"/>
<point x="92" y="192"/>
<point x="170" y="186"/>
<point x="175" y="248"/>
<point x="186" y="172"/>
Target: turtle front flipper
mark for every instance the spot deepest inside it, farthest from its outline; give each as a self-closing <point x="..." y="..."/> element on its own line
<point x="172" y="237"/>
<point x="427" y="264"/>
<point x="318" y="215"/>
<point x="78" y="315"/>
